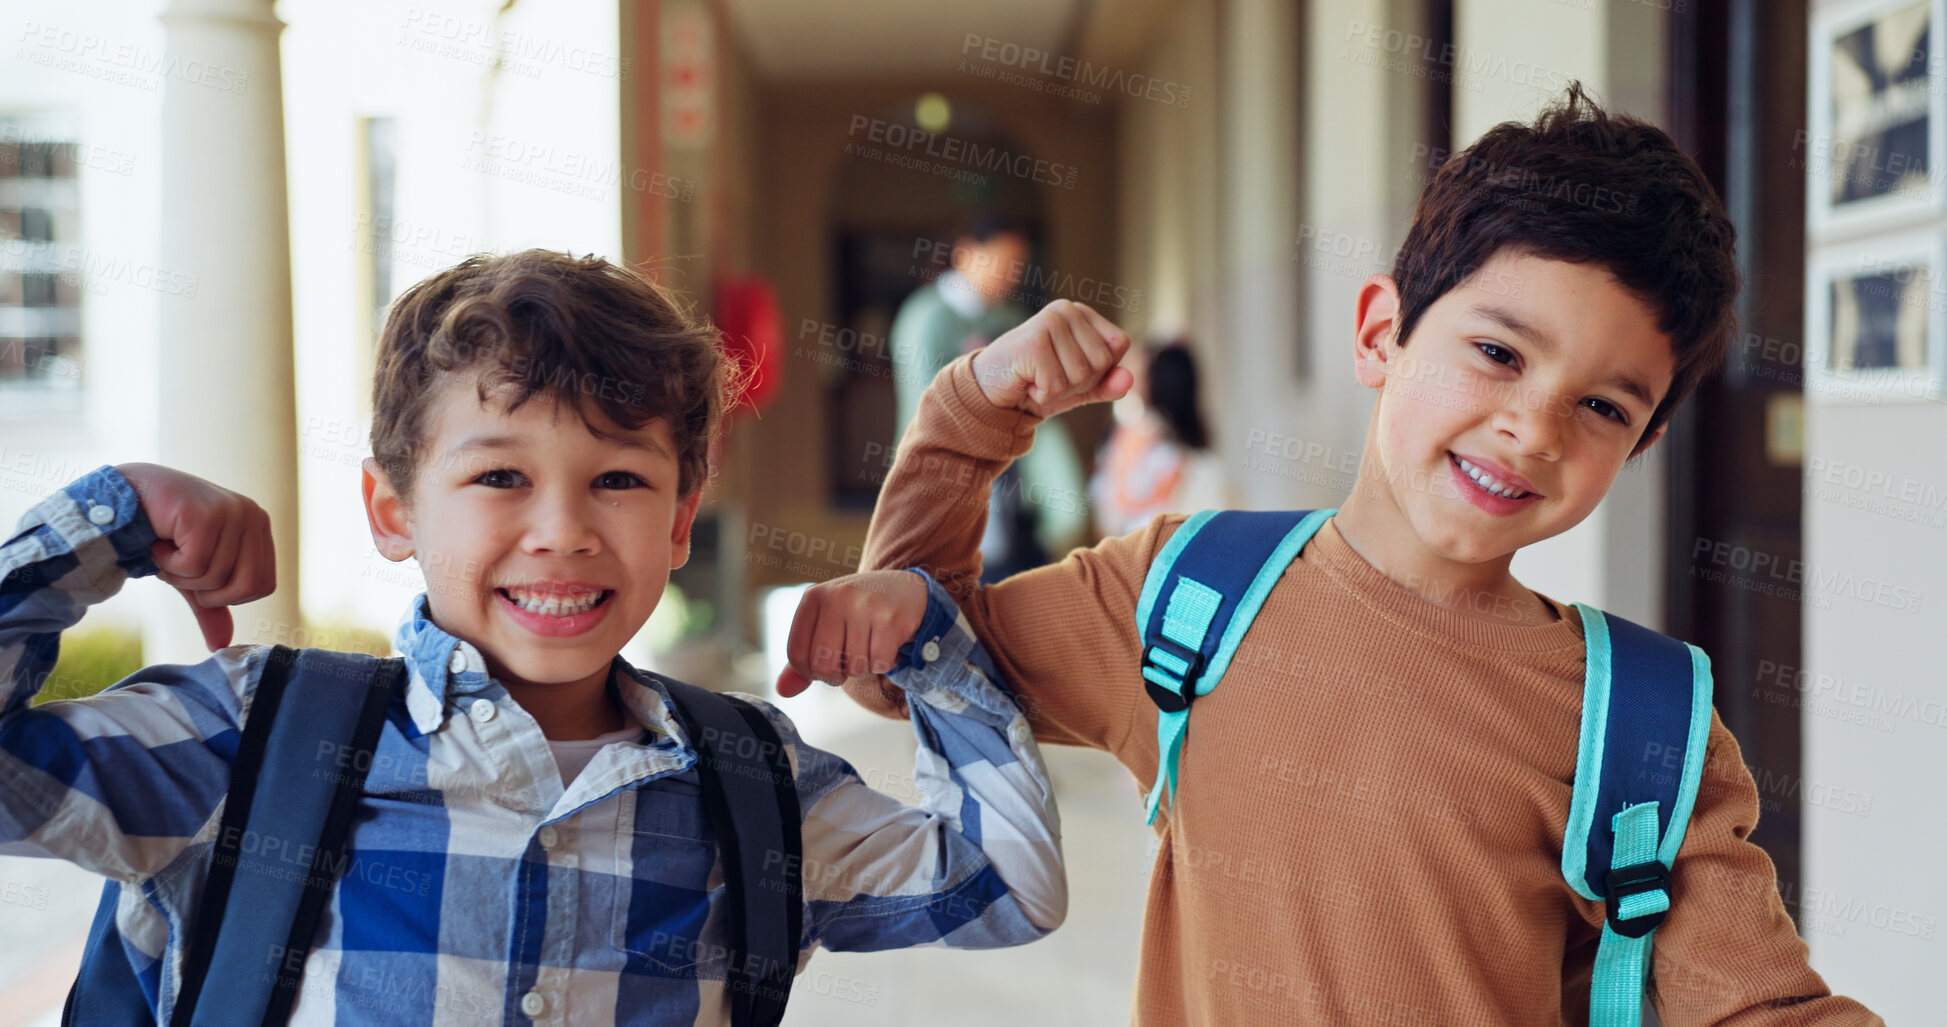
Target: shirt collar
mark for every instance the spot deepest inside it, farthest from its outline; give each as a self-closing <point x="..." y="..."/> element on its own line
<point x="445" y="666"/>
<point x="960" y="295"/>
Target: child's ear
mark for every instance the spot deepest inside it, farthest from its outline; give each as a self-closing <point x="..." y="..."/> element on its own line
<point x="391" y="527"/>
<point x="1376" y="322"/>
<point x="679" y="532"/>
<point x="1648" y="441"/>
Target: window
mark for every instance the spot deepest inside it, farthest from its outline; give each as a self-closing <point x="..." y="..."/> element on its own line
<point x="40" y="302"/>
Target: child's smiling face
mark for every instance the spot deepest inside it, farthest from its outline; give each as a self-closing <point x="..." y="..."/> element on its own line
<point x="1521" y="394"/>
<point x="545" y="546"/>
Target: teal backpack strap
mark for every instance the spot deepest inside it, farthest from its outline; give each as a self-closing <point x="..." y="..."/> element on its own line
<point x="1201" y="593"/>
<point x="1645" y="729"/>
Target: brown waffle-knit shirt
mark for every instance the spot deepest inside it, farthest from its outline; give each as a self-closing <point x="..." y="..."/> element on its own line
<point x="1372" y="803"/>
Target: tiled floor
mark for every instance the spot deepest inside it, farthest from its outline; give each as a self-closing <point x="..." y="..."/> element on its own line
<point x="45" y="909"/>
<point x="1081" y="974"/>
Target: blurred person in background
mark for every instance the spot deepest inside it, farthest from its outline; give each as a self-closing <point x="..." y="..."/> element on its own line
<point x="1038" y="509"/>
<point x="1158" y="457"/>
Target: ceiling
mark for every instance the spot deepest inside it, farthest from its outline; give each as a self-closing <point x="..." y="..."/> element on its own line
<point x="808" y="39"/>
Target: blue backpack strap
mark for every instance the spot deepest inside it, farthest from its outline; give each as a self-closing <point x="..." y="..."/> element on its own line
<point x="242" y="966"/>
<point x="751" y="798"/>
<point x="1201" y="593"/>
<point x="1645" y="730"/>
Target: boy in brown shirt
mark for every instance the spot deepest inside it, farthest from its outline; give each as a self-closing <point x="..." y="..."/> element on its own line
<point x="1370" y="813"/>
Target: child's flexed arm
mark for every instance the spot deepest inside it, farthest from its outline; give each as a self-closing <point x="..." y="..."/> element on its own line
<point x="1063" y="636"/>
<point x="119" y="783"/>
<point x="975" y="859"/>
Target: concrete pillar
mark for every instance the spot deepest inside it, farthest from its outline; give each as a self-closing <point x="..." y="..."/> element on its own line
<point x="228" y="405"/>
<point x="1361" y="107"/>
<point x="1258" y="135"/>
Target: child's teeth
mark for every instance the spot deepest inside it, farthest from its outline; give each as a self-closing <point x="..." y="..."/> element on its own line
<point x="1486" y="481"/>
<point x="553" y="606"/>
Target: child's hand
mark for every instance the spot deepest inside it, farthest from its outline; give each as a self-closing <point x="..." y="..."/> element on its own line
<point x="1062" y="357"/>
<point x="852" y="626"/>
<point x="212" y="544"/>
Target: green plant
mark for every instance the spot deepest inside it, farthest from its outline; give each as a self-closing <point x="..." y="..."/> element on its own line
<point x="90" y="661"/>
<point x="95" y="658"/>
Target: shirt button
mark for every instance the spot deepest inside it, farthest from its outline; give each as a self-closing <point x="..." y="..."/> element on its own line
<point x="457" y="662"/>
<point x="101" y="514"/>
<point x="548" y="837"/>
<point x="482" y="710"/>
<point x="930" y="651"/>
<point x="533" y="1004"/>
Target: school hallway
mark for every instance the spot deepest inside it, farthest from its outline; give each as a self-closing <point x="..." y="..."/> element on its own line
<point x="1219" y="177"/>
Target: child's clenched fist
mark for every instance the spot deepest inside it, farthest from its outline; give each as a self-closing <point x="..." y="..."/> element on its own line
<point x="852" y="626"/>
<point x="212" y="544"/>
<point x="1062" y="357"/>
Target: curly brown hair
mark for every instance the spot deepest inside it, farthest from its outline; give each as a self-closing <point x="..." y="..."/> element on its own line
<point x="537" y="322"/>
<point x="1583" y="185"/>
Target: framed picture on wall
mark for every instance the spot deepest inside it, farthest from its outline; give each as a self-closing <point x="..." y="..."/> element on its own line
<point x="1876" y="320"/>
<point x="1875" y="153"/>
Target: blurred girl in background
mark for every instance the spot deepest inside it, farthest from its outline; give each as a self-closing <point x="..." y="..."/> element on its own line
<point x="1158" y="457"/>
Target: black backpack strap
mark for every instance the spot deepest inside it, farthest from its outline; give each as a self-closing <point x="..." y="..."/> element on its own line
<point x="106" y="990"/>
<point x="254" y="929"/>
<point x="751" y="798"/>
<point x="264" y="704"/>
<point x="330" y="858"/>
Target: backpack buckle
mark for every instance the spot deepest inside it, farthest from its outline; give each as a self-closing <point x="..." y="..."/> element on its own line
<point x="1636" y="879"/>
<point x="1167" y="699"/>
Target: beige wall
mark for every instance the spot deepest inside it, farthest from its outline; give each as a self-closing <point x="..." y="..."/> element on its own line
<point x="1877" y="660"/>
<point x="1168" y="206"/>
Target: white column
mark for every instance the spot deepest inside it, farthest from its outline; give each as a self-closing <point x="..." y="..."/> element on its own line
<point x="1362" y="104"/>
<point x="1257" y="359"/>
<point x="228" y="408"/>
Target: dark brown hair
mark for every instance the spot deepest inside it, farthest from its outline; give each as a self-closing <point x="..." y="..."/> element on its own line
<point x="1585" y="186"/>
<point x="534" y="323"/>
